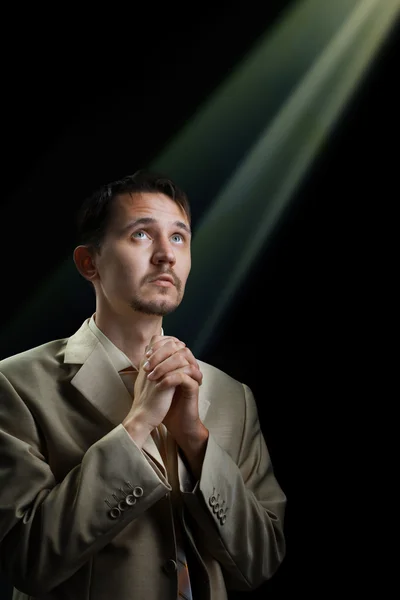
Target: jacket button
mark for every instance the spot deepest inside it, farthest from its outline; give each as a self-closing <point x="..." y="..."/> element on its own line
<point x="212" y="500"/>
<point x="170" y="566"/>
<point x="138" y="491"/>
<point x="223" y="519"/>
<point x="130" y="500"/>
<point x="114" y="513"/>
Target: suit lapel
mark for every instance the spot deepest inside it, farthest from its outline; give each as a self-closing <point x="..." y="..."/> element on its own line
<point x="101" y="384"/>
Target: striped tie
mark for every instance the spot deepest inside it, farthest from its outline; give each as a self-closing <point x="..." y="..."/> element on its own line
<point x="184" y="588"/>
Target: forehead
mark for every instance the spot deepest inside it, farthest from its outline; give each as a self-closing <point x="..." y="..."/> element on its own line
<point x="146" y="204"/>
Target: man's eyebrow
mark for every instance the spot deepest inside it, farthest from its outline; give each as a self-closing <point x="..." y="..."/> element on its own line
<point x="183" y="226"/>
<point x="151" y="221"/>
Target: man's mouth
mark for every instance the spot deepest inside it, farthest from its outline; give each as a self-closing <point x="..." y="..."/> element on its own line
<point x="163" y="280"/>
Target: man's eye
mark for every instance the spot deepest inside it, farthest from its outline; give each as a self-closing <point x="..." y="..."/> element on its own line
<point x="139" y="234"/>
<point x="177" y="237"/>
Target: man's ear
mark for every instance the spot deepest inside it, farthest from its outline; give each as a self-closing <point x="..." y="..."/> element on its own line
<point x="85" y="262"/>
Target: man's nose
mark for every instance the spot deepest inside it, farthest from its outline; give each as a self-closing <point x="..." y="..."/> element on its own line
<point x="164" y="253"/>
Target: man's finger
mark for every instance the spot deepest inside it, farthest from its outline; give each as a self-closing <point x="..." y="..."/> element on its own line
<point x="159" y="340"/>
<point x="168" y="358"/>
<point x="188" y="377"/>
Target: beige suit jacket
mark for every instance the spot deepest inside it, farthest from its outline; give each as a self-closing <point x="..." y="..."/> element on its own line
<point x="85" y="514"/>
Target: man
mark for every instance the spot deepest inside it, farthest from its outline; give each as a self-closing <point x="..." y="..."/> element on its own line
<point x="129" y="469"/>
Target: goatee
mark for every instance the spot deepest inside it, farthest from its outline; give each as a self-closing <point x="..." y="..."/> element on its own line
<point x="158" y="308"/>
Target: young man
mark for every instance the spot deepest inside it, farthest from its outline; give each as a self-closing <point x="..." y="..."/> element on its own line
<point x="129" y="469"/>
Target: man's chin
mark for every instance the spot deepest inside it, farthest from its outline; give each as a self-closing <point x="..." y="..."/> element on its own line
<point x="159" y="309"/>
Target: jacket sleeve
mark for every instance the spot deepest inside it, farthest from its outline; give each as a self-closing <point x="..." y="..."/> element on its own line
<point x="240" y="507"/>
<point x="48" y="530"/>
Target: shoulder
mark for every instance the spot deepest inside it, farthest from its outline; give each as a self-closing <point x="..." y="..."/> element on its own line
<point x="45" y="357"/>
<point x="216" y="380"/>
<point x="217" y="374"/>
<point x="222" y="388"/>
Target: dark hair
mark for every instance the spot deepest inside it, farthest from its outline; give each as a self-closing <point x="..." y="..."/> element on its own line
<point x="95" y="213"/>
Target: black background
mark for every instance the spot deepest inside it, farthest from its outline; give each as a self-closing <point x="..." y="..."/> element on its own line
<point x="104" y="92"/>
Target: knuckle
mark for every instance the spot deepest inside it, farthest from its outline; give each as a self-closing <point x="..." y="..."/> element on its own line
<point x="185" y="357"/>
<point x="183" y="361"/>
<point x="156" y="372"/>
<point x="190" y="356"/>
<point x="170" y="345"/>
<point x="168" y="380"/>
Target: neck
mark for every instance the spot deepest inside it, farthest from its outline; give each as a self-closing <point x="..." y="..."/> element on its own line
<point x="130" y="334"/>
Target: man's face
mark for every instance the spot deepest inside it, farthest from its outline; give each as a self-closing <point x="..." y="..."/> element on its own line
<point x="145" y="258"/>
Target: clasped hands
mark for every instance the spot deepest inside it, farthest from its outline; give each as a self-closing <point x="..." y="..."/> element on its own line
<point x="167" y="391"/>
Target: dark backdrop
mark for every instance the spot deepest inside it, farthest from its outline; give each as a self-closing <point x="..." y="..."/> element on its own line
<point x="298" y="331"/>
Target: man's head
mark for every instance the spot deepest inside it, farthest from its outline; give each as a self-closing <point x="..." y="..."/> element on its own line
<point x="134" y="244"/>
